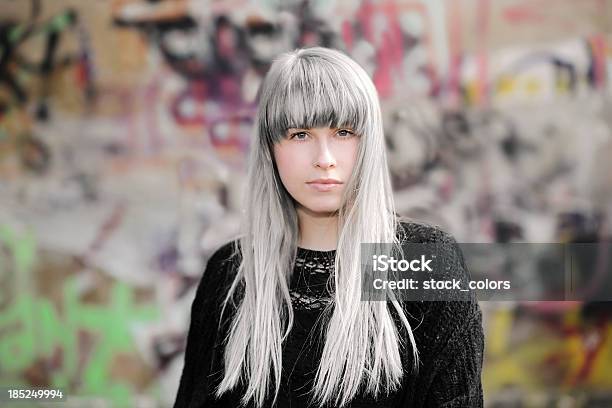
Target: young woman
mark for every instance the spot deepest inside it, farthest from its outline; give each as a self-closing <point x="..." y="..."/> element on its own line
<point x="278" y="318"/>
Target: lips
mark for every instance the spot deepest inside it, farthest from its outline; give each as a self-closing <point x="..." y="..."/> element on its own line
<point x="323" y="185"/>
<point x="324" y="181"/>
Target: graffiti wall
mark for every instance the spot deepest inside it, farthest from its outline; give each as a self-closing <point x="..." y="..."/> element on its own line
<point x="124" y="129"/>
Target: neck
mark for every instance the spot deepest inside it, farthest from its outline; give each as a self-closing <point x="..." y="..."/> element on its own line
<point x="318" y="231"/>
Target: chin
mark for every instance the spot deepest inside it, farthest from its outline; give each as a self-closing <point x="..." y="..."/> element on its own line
<point x="323" y="207"/>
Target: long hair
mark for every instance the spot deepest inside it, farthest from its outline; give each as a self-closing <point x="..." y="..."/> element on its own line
<point x="309" y="88"/>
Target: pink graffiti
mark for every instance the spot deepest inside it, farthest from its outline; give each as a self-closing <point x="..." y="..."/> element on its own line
<point x="482" y="27"/>
<point x="455" y="49"/>
<point x="522" y="14"/>
<point x="598" y="48"/>
<point x="389" y="45"/>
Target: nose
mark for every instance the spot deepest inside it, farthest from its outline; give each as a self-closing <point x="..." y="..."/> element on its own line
<point x="324" y="157"/>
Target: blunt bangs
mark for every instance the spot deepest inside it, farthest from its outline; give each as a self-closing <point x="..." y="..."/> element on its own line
<point x="310" y="91"/>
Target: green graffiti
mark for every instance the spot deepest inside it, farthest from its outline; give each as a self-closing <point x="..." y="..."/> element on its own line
<point x="32" y="328"/>
<point x="16" y="33"/>
<point x="23" y="248"/>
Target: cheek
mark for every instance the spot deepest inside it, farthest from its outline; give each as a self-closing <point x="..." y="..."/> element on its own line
<point x="289" y="165"/>
<point x="349" y="155"/>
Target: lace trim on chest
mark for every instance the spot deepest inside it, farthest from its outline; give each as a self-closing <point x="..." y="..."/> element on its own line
<point x="312" y="282"/>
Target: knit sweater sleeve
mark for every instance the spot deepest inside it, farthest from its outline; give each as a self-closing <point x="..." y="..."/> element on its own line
<point x="205" y="314"/>
<point x="450" y="337"/>
<point x="458" y="367"/>
<point x="456" y="372"/>
<point x="457" y="379"/>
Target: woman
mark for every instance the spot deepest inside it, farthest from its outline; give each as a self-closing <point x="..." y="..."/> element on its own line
<point x="278" y="318"/>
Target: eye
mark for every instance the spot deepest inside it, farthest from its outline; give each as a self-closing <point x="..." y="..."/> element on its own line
<point x="299" y="136"/>
<point x="345" y="133"/>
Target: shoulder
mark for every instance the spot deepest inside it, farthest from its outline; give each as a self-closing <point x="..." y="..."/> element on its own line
<point x="437" y="242"/>
<point x="422" y="232"/>
<point x="220" y="270"/>
<point x="445" y="245"/>
<point x="226" y="253"/>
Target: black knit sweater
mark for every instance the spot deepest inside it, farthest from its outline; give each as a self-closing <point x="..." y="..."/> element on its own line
<point x="448" y="335"/>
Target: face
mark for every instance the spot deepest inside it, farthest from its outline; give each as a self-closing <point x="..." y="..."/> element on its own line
<point x="315" y="165"/>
